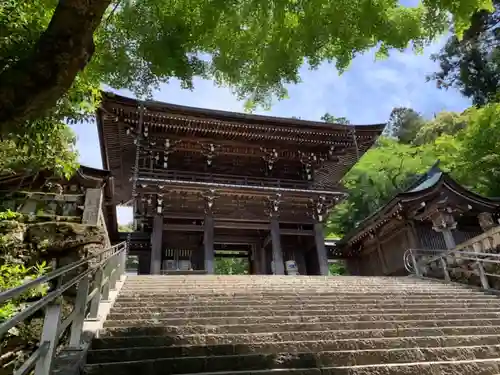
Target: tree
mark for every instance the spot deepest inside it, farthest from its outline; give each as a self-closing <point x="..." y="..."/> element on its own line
<point x="335" y="120"/>
<point x="126" y="228"/>
<point x="231" y="266"/>
<point x="337" y="268"/>
<point x="479" y="159"/>
<point x="382" y="172"/>
<point x="55" y="54"/>
<point x="443" y="123"/>
<point x="53" y="151"/>
<point x="473" y="64"/>
<point x="404" y="124"/>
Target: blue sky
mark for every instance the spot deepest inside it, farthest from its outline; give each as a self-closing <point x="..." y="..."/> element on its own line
<point x="365" y="94"/>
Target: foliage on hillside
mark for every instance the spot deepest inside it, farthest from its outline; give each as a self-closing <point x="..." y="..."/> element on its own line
<point x="55" y="54"/>
<point x="53" y="150"/>
<point x="466" y="145"/>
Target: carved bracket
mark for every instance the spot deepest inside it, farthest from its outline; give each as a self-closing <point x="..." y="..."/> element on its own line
<point x="209" y="150"/>
<point x="273" y="204"/>
<point x="159" y="203"/>
<point x="310" y="161"/>
<point x="209" y="197"/>
<point x="442" y="220"/>
<point x="169" y="147"/>
<point x="486" y="221"/>
<point x="270" y="157"/>
<point x="320" y="208"/>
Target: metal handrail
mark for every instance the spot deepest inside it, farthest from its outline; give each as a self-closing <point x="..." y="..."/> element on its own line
<point x="418" y="261"/>
<point x="93" y="286"/>
<point x="17" y="291"/>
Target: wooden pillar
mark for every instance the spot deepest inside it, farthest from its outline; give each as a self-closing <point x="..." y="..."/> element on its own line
<point x="144" y="265"/>
<point x="208" y="243"/>
<point x="156" y="245"/>
<point x="381" y="257"/>
<point x="263" y="261"/>
<point x="449" y="240"/>
<point x="255" y="259"/>
<point x="319" y="238"/>
<point x="279" y="266"/>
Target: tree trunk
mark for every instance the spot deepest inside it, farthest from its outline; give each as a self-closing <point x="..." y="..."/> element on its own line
<point x="32" y="86"/>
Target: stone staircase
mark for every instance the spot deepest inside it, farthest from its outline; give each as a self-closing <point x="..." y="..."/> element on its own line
<point x="263" y="325"/>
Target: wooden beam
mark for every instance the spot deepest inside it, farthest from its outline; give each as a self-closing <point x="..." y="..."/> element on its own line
<point x="187" y="216"/>
<point x="246" y="226"/>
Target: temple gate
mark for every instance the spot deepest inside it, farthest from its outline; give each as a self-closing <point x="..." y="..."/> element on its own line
<point x="202" y="182"/>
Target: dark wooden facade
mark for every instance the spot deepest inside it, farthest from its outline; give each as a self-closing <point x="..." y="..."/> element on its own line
<point x="208" y="180"/>
<point x="434" y="213"/>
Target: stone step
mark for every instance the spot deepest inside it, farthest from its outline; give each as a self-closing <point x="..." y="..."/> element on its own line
<point x="102" y="355"/>
<point x="290" y="294"/>
<point x="123" y="338"/>
<point x="152" y="327"/>
<point x="283" y="287"/>
<point x="277" y="279"/>
<point x="293" y="319"/>
<point x="457" y="367"/>
<point x="166" y="313"/>
<point x="330" y="306"/>
<point x="160" y="302"/>
<point x="262" y="361"/>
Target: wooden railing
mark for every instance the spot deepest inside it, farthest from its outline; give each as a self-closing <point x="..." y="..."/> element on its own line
<point x="224" y="179"/>
<point x="100" y="273"/>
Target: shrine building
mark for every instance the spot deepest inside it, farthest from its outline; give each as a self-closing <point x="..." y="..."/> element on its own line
<point x="434" y="213"/>
<point x="207" y="183"/>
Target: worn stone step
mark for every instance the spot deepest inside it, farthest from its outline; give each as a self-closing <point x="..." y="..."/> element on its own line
<point x="261" y="361"/>
<point x="292" y="319"/>
<point x="159" y="328"/>
<point x="165" y="313"/>
<point x="331" y="306"/>
<point x="285" y="288"/>
<point x="160" y="302"/>
<point x="135" y="353"/>
<point x="278" y="279"/>
<point x="120" y="338"/>
<point x="251" y="295"/>
<point x="460" y="367"/>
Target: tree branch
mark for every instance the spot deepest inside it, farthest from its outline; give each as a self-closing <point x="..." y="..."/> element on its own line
<point x="33" y="85"/>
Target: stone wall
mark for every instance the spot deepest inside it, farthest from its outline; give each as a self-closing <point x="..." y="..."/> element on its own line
<point x="51" y="228"/>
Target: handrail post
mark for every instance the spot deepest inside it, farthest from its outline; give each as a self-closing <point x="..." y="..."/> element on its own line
<point x="415" y="264"/>
<point x="49" y="334"/>
<point x="113" y="271"/>
<point x="123" y="263"/>
<point x="444" y="265"/>
<point x="80" y="307"/>
<point x="106" y="281"/>
<point x="96" y="299"/>
<point x="482" y="275"/>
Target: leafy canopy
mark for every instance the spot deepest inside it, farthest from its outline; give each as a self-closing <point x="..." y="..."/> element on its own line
<point x="472" y="64"/>
<point x="253" y="46"/>
<point x="53" y="150"/>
